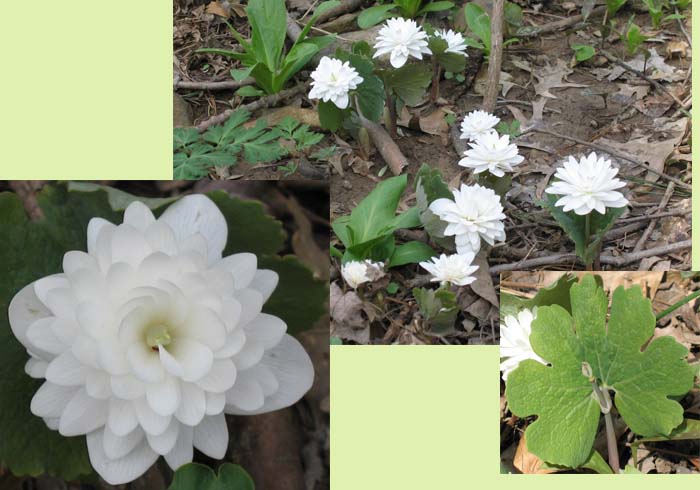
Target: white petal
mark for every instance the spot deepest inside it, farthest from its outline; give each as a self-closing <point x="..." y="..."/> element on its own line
<point x="265" y="281"/>
<point x="183" y="450"/>
<point x="198" y="214"/>
<point x="252" y="302"/>
<point x="48" y="283"/>
<point x="97" y="384"/>
<point x="95" y="226"/>
<point x="215" y="403"/>
<point x="36" y="368"/>
<point x="25" y="308"/>
<point x="83" y="414"/>
<point x="145" y="364"/>
<point x="195" y="358"/>
<point x="50" y="400"/>
<point x="164" y="443"/>
<point x="129" y="245"/>
<point x="122" y="470"/>
<point x="266" y="329"/>
<point x="169" y="362"/>
<point x="41" y="337"/>
<point x="122" y="417"/>
<point x="76" y="260"/>
<point x="128" y="387"/>
<point x="151" y="422"/>
<point x="116" y="446"/>
<point x="205" y="326"/>
<point x="242" y="267"/>
<point x="139" y="216"/>
<point x="164" y="397"/>
<point x="251" y="354"/>
<point x="220" y="378"/>
<point x="65" y="370"/>
<point x="292" y="367"/>
<point x="193" y="405"/>
<point x="246" y="396"/>
<point x="211" y="436"/>
<point x="235" y="341"/>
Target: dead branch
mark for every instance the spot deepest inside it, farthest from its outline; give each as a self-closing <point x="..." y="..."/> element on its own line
<point x="260" y="103"/>
<point x="212" y="86"/>
<point x="495" y="58"/>
<point x="386" y="146"/>
<point x="537" y="31"/>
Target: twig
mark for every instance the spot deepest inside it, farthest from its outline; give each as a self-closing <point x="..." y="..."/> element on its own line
<point x="652" y="224"/>
<point x="211" y="86"/>
<point x="495" y="57"/>
<point x="260" y="103"/>
<point x="604" y="259"/>
<point x="537" y="31"/>
<point x="386" y="146"/>
<point x="606" y="149"/>
<point x="656" y="84"/>
<point x="685" y="33"/>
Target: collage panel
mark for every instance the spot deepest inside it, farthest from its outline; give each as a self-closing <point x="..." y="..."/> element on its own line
<point x="599" y="372"/>
<point x="183" y="319"/>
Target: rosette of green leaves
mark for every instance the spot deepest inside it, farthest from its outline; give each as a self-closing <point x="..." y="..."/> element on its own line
<point x="263" y="56"/>
<point x="36" y="248"/>
<point x="368" y="231"/>
<point x="646" y="375"/>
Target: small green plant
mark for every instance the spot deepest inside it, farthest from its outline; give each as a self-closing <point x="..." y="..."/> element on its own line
<point x="633" y="38"/>
<point x="479" y="23"/>
<point x="614" y="6"/>
<point x="288" y="169"/>
<point x="439" y="308"/>
<point x="263" y="55"/>
<point x="587" y="355"/>
<point x="368" y="232"/>
<point x="512" y="129"/>
<point x="222" y="146"/>
<point x="583" y="52"/>
<point x="657" y="10"/>
<point x="406" y="8"/>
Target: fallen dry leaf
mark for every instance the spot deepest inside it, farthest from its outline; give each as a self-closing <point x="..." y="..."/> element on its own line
<point x="347" y="321"/>
<point x="526" y="462"/>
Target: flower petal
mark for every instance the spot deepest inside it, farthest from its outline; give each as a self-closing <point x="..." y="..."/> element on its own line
<point x="83" y="414"/>
<point x="122" y="417"/>
<point x="50" y="400"/>
<point x="26" y="308"/>
<point x="182" y="451"/>
<point x="211" y="436"/>
<point x="165" y="442"/>
<point x="193" y="405"/>
<point x="164" y="397"/>
<point x="116" y="446"/>
<point x="122" y="470"/>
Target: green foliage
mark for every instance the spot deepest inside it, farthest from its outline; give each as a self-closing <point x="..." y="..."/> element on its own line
<point x="429" y="187"/>
<point x="409" y="82"/>
<point x="368" y="232"/>
<point x="392" y="288"/>
<point x="291" y="129"/>
<point x="657" y="10"/>
<point x="583" y="52"/>
<point x="643" y="373"/>
<point x="451" y="62"/>
<point x="556" y="293"/>
<point x="512" y="129"/>
<point x="633" y="38"/>
<point x="407" y="8"/>
<point x="614" y="6"/>
<point x="480" y="24"/>
<point x="195" y="476"/>
<point x="264" y="55"/>
<point x="439" y="308"/>
<point x="575" y="226"/>
<point x="220" y="146"/>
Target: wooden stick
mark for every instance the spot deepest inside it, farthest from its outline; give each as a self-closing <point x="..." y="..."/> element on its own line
<point x="495" y="58"/>
<point x="386" y="146"/>
<point x="223" y="85"/>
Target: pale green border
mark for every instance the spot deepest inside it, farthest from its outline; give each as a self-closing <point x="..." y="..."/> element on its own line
<point x="86" y="89"/>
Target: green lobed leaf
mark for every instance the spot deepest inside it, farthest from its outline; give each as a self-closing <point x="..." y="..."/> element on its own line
<point x="452" y="62"/>
<point x="300" y="299"/>
<point x="429" y="187"/>
<point x="330" y="116"/>
<point x="370" y="93"/>
<point x="195" y="476"/>
<point x="438" y="307"/>
<point x="583" y="52"/>
<point x="409" y="82"/>
<point x="556" y="293"/>
<point x="562" y="396"/>
<point x="479" y="23"/>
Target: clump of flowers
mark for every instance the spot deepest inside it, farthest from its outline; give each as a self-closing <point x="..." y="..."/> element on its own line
<point x="358" y="272"/>
<point x="515" y="341"/>
<point x="401" y="39"/>
<point x="474" y="214"/>
<point x="147" y="340"/>
<point x="585" y="200"/>
<point x="493" y="153"/>
<point x="454" y="269"/>
<point x="477" y="124"/>
<point x="333" y="80"/>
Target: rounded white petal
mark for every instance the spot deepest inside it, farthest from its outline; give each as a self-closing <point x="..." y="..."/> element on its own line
<point x="211" y="436"/>
<point x="121" y="470"/>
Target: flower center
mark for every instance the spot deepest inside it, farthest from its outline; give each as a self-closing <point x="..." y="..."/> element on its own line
<point x="157" y="335"/>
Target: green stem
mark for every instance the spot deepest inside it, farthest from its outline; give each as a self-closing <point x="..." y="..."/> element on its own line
<point x="589" y="266"/>
<point x="678" y="304"/>
<point x="605" y="407"/>
<point x="435" y="88"/>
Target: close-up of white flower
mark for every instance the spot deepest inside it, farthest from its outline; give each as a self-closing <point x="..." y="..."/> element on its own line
<point x="357" y="272"/>
<point x="147" y="340"/>
<point x="456" y="269"/>
<point x="515" y="341"/>
<point x="477" y="124"/>
<point x="455" y="41"/>
<point x="493" y="153"/>
<point x="475" y="213"/>
<point x="587" y="184"/>
<point x="333" y="80"/>
<point x="401" y="38"/>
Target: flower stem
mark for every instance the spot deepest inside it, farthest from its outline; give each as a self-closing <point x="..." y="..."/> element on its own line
<point x="678" y="304"/>
<point x="435" y="87"/>
<point x="605" y="407"/>
<point x="391" y="105"/>
<point x="589" y="266"/>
